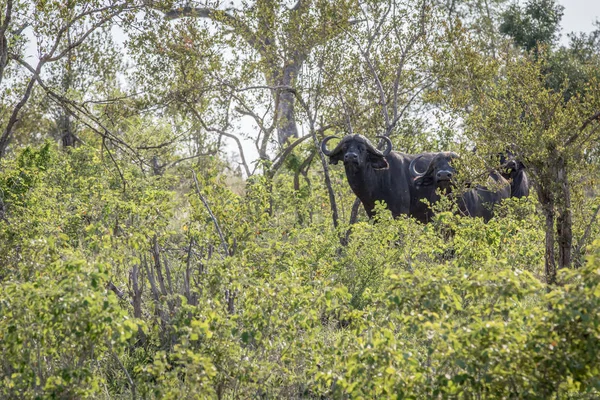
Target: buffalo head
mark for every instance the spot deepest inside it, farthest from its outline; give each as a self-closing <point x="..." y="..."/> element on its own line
<point x="510" y="165"/>
<point x="356" y="151"/>
<point x="438" y="173"/>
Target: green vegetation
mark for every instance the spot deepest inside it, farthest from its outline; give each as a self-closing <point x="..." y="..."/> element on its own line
<point x="139" y="259"/>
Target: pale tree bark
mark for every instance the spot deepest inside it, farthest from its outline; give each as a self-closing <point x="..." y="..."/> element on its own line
<point x="286" y="121"/>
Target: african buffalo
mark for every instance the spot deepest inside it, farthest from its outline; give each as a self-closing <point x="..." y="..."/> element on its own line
<point x="476" y="202"/>
<point x="513" y="170"/>
<point x="379" y="175"/>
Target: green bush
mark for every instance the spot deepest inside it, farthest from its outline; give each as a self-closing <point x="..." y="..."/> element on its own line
<point x="113" y="292"/>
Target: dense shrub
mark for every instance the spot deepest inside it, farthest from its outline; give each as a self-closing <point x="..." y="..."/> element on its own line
<point x="110" y="291"/>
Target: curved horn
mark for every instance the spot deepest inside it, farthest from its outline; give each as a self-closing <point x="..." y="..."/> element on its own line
<point x="370" y="147"/>
<point x="413" y="167"/>
<point x="324" y="146"/>
<point x="388" y="147"/>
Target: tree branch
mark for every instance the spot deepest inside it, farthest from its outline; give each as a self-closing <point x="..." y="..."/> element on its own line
<point x="223" y="133"/>
<point x="14" y="117"/>
<point x="586" y="234"/>
<point x="78" y="42"/>
<point x="131" y="383"/>
<point x="65" y="102"/>
<point x="50" y="55"/>
<point x="116" y="165"/>
<point x="283" y="155"/>
<point x="7" y="17"/>
<point x="3" y="39"/>
<point x="174" y="163"/>
<point x="311" y="121"/>
<point x="585" y="124"/>
<point x="212" y="216"/>
<point x="216" y="16"/>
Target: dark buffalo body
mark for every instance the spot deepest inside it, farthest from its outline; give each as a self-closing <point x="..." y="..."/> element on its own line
<point x="374" y="175"/>
<point x="513" y="170"/>
<point x="476" y="202"/>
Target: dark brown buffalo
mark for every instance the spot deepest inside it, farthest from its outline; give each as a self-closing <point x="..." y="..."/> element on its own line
<point x="377" y="175"/>
<point x="476" y="202"/>
<point x="513" y="170"/>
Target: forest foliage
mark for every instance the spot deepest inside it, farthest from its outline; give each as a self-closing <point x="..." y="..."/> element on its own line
<point x="142" y="257"/>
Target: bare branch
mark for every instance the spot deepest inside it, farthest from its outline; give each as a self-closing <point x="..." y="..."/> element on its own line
<point x="223" y="133"/>
<point x="174" y="163"/>
<point x="283" y="155"/>
<point x="399" y="115"/>
<point x="70" y="105"/>
<point x="120" y="294"/>
<point x="380" y="89"/>
<point x="78" y="42"/>
<point x="50" y="55"/>
<point x="313" y="131"/>
<point x="421" y="33"/>
<point x="6" y="135"/>
<point x="212" y="216"/>
<point x="112" y="100"/>
<point x="116" y="165"/>
<point x="131" y="383"/>
<point x="585" y="124"/>
<point x="3" y="39"/>
<point x="588" y="230"/>
<point x="218" y="16"/>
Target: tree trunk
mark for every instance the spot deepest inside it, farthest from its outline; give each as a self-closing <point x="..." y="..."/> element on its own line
<point x="546" y="200"/>
<point x="3" y="54"/>
<point x="286" y="124"/>
<point x="564" y="221"/>
<point x="355" y="210"/>
<point x="6" y="24"/>
<point x="285" y="99"/>
<point x="4" y="141"/>
<point x="550" y="264"/>
<point x="66" y="129"/>
<point x="136" y="300"/>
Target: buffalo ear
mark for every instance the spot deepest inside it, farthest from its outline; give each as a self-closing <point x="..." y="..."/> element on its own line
<point x="423" y="180"/>
<point x="377" y="162"/>
<point x="335" y="158"/>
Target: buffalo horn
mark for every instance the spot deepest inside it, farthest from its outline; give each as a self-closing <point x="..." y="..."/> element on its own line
<point x="370" y="148"/>
<point x="324" y="146"/>
<point x="413" y="167"/>
<point x="388" y="147"/>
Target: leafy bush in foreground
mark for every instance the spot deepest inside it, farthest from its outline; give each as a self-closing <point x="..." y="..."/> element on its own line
<point x="112" y="293"/>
